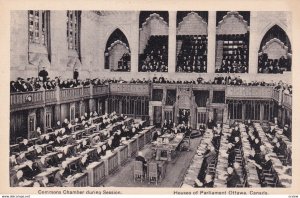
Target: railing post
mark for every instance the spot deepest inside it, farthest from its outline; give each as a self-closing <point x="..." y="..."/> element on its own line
<point x="280" y="97"/>
<point x="91" y="90"/>
<point x="57" y="94"/>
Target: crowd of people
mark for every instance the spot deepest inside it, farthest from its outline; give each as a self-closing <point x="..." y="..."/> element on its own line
<point x="235" y="54"/>
<point x="155" y="57"/>
<point x="124" y="63"/>
<point x="29" y="159"/>
<point x="286" y="88"/>
<point x="36" y="84"/>
<point x="273" y="66"/>
<point x="192" y="56"/>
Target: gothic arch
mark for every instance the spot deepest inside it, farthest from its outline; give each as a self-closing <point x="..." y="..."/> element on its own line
<point x="275" y="31"/>
<point x="116" y="46"/>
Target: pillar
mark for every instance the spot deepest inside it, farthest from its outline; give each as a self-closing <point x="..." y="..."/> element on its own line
<point x="244" y="112"/>
<point x="261" y="112"/>
<point x="92" y="105"/>
<point x="254" y="43"/>
<point x="106" y="105"/>
<point x="134" y="42"/>
<point x="57" y="114"/>
<point x="172" y="42"/>
<point x="211" y="42"/>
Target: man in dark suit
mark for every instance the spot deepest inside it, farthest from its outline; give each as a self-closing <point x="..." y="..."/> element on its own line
<point x="142" y="159"/>
<point x="233" y="179"/>
<point x="75" y="75"/>
<point x="235" y="133"/>
<point x="43" y="74"/>
<point x="208" y="182"/>
<point x="30" y="170"/>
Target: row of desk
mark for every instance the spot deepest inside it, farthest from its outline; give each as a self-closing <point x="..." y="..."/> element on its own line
<point x="284" y="178"/>
<point x="252" y="175"/>
<point x="196" y="163"/>
<point x="222" y="165"/>
<point x="97" y="171"/>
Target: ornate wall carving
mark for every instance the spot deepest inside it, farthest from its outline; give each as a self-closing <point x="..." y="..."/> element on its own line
<point x="232" y="23"/>
<point x="192" y="24"/>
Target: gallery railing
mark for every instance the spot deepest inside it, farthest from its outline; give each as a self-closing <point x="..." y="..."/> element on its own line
<point x="287" y="100"/>
<point x="20" y="101"/>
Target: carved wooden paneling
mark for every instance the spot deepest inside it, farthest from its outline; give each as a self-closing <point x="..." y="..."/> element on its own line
<point x="192" y="24"/>
<point x="249" y="92"/>
<point x="232" y="23"/>
<point x="100" y="90"/>
<point x="287" y="100"/>
<point x="184" y="97"/>
<point x="71" y="94"/>
<point x="26" y="100"/>
<point x="132" y="89"/>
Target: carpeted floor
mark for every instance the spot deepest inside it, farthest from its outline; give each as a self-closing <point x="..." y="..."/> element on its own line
<point x="174" y="172"/>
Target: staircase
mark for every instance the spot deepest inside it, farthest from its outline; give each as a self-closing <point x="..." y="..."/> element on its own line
<point x="219" y="53"/>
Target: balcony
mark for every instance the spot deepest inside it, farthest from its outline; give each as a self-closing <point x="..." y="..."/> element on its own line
<point x="249" y="92"/>
<point x="130" y="89"/>
<point x="287" y="100"/>
<point x="36" y="99"/>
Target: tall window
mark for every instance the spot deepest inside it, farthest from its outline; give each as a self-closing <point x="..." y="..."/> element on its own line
<point x="48" y="120"/>
<point x="73" y="28"/>
<point x="38" y="26"/>
<point x="31" y="123"/>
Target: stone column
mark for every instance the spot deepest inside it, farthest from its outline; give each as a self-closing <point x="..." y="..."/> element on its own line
<point x="254" y="43"/>
<point x="172" y="42"/>
<point x="106" y="106"/>
<point x="211" y="42"/>
<point x="92" y="104"/>
<point x="134" y="42"/>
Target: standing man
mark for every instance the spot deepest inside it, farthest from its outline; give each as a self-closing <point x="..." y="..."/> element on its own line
<point x="43" y="74"/>
<point x="76" y="75"/>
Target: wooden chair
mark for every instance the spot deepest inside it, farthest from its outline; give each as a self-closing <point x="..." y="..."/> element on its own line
<point x="138" y="172"/>
<point x="49" y="130"/>
<point x="153" y="172"/>
<point x="49" y="149"/>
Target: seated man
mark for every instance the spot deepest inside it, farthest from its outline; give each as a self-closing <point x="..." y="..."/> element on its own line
<point x="83" y="163"/>
<point x="17" y="178"/>
<point x="156" y="135"/>
<point x="202" y="128"/>
<point x="233" y="179"/>
<point x="231" y="155"/>
<point x="30" y="170"/>
<point x="42" y="164"/>
<point x="234" y="133"/>
<point x="59" y="177"/>
<point x="210" y="123"/>
<point x="142" y="159"/>
<point x="35" y="134"/>
<point x="23" y="145"/>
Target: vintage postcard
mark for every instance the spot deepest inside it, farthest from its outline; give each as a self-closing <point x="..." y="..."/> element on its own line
<point x="133" y="97"/>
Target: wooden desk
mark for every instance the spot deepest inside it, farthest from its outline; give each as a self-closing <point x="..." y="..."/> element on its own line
<point x="78" y="180"/>
<point x="96" y="173"/>
<point x="149" y="157"/>
<point x="122" y="154"/>
<point x="111" y="163"/>
<point x="49" y="172"/>
<point x="170" y="149"/>
<point x="140" y="140"/>
<point x="132" y="147"/>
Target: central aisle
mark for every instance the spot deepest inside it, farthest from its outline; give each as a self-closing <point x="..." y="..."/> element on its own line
<point x="174" y="172"/>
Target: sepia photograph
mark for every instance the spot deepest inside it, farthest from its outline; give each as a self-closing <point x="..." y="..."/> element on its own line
<point x="178" y="99"/>
<point x="129" y="97"/>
